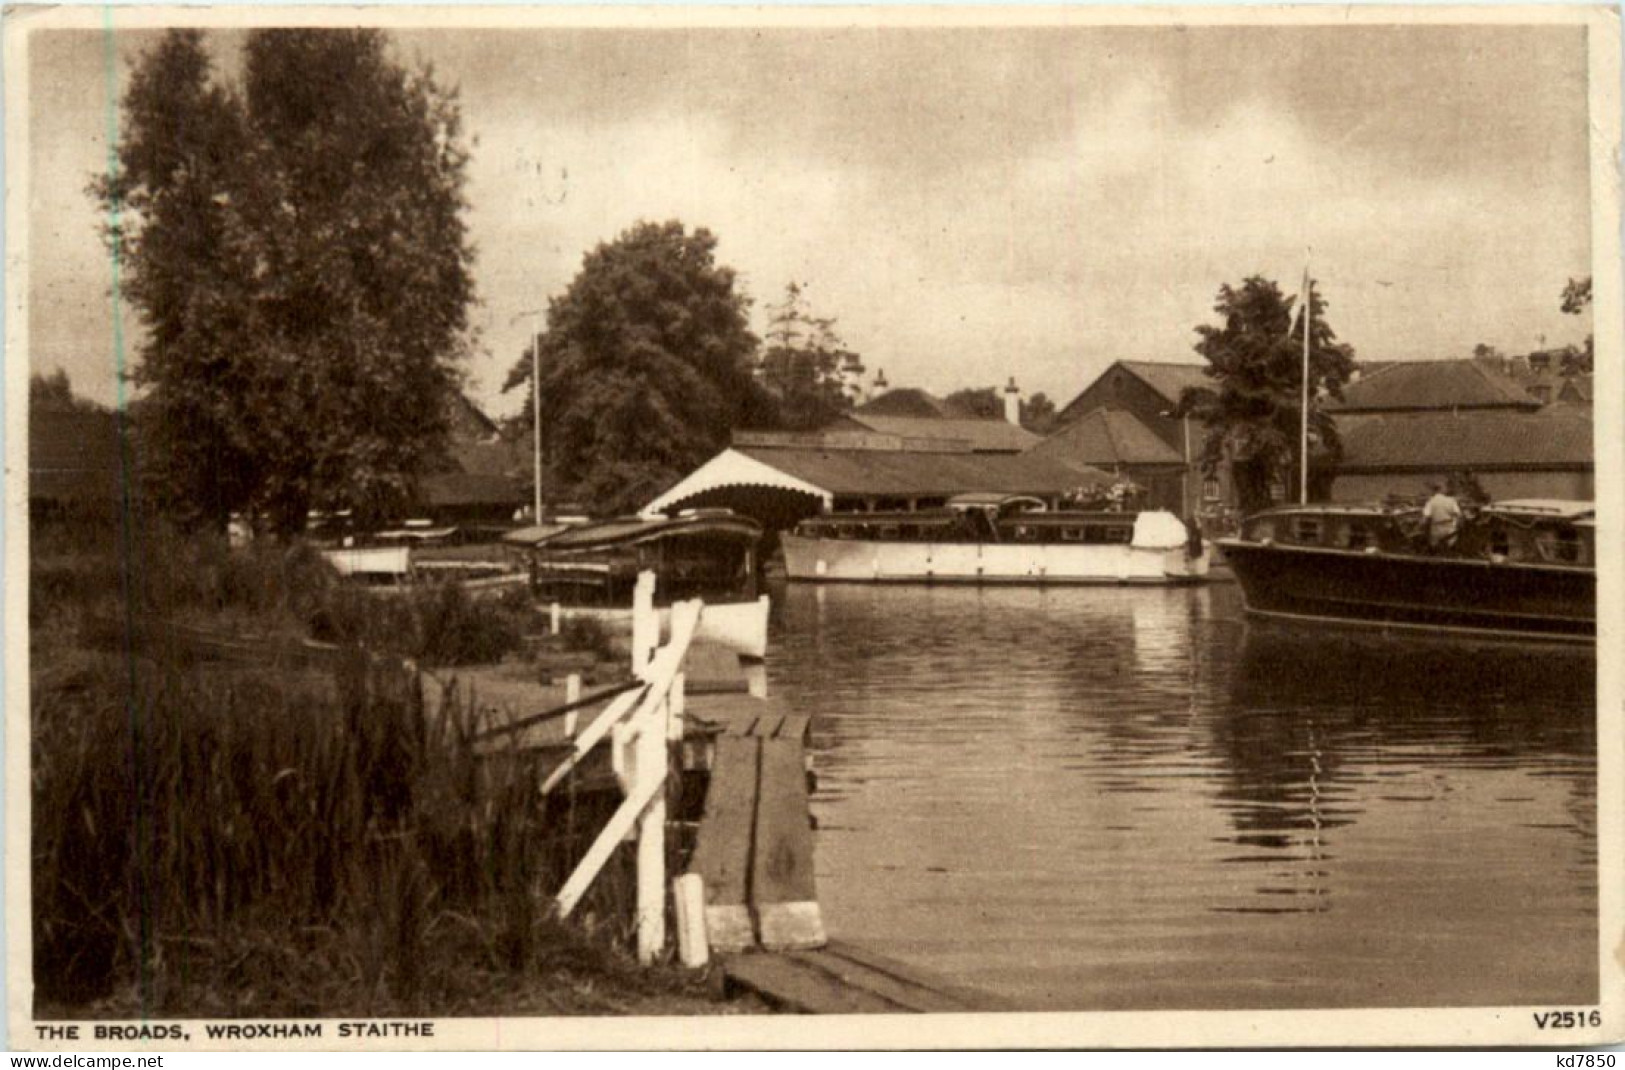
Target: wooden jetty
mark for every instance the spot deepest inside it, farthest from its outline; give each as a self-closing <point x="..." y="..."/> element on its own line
<point x="751" y="875"/>
<point x="842" y="979"/>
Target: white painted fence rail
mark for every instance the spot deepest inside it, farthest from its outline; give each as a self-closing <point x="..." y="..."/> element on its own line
<point x="639" y="725"/>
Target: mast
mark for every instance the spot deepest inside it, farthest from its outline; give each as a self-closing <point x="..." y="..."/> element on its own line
<point x="536" y="408"/>
<point x="1303" y="442"/>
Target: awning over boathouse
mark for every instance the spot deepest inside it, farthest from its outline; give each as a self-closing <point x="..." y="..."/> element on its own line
<point x="781" y="479"/>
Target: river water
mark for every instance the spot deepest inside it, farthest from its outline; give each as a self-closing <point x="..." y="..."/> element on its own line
<point x="1120" y="798"/>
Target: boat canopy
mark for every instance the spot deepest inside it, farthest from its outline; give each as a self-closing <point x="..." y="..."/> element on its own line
<point x="1543" y="508"/>
<point x="535" y="533"/>
<point x="635" y="530"/>
<point x="995" y="500"/>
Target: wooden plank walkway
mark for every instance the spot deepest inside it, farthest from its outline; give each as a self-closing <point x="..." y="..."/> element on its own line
<point x="842" y="979"/>
<point x="722" y="848"/>
<point x="754" y="851"/>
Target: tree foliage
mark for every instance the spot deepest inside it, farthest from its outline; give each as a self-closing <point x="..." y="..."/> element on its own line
<point x="1039" y="415"/>
<point x="646" y="367"/>
<point x="54" y="393"/>
<point x="1252" y="413"/>
<point x="976" y="403"/>
<point x="295" y="247"/>
<point x="1577" y="302"/>
<point x="806" y="366"/>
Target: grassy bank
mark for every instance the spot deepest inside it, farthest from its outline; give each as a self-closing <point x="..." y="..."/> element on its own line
<point x="262" y="839"/>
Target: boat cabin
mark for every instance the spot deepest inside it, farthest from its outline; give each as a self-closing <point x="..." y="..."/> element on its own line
<point x="1539" y="532"/>
<point x="977" y="518"/>
<point x="701" y="553"/>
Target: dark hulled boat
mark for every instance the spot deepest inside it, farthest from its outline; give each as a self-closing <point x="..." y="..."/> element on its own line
<point x="1518" y="569"/>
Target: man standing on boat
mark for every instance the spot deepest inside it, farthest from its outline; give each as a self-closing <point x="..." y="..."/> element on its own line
<point x="1443" y="516"/>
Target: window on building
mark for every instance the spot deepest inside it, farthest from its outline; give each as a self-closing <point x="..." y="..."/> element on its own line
<point x="1210" y="490"/>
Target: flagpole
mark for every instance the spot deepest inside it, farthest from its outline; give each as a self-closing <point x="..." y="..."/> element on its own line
<point x="1303" y="445"/>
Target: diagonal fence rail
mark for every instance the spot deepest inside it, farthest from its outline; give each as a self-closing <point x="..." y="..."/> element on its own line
<point x="639" y="725"/>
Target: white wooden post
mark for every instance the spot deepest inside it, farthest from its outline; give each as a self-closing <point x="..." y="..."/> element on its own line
<point x="645" y="623"/>
<point x="623" y="760"/>
<point x="553" y="617"/>
<point x="572" y="693"/>
<point x="651" y="773"/>
<point x="688" y="895"/>
<point x="677" y="705"/>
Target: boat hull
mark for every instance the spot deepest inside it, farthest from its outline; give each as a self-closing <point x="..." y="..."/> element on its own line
<point x="740" y="627"/>
<point x="1404" y="592"/>
<point x="1032" y="564"/>
<point x="390" y="561"/>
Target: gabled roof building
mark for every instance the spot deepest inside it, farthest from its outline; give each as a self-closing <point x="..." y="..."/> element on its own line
<point x="1117" y="441"/>
<point x="1433" y="386"/>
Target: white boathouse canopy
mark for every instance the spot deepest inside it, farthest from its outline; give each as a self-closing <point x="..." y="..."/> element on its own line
<point x="735" y="468"/>
<point x="808" y="474"/>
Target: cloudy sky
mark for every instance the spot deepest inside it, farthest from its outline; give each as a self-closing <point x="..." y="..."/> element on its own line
<point x="969" y="203"/>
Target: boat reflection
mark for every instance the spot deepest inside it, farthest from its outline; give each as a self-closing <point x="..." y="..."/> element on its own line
<point x="1100" y="798"/>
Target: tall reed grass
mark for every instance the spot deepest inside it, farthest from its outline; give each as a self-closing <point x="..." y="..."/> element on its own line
<point x="221" y="841"/>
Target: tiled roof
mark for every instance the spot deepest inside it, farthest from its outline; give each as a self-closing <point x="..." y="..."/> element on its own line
<point x="1403" y="386"/>
<point x="466" y="488"/>
<point x="983" y="435"/>
<point x="1107" y="436"/>
<point x="904" y="401"/>
<point x="1170" y="380"/>
<point x="1555" y="437"/>
<point x="904" y="473"/>
<point x="74" y="456"/>
<point x="490" y="458"/>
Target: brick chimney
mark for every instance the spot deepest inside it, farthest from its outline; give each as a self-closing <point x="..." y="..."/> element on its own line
<point x="1012" y="402"/>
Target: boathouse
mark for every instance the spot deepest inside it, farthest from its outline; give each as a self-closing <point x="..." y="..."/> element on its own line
<point x="1513" y="453"/>
<point x="482" y="480"/>
<point x="1409" y="423"/>
<point x="1115" y="440"/>
<point x="1150" y="391"/>
<point x="781" y="479"/>
<point x="1432" y="386"/>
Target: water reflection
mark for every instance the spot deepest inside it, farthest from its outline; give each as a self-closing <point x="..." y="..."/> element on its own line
<point x="1130" y="798"/>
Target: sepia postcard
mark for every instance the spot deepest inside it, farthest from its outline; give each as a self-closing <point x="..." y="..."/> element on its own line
<point x="842" y="527"/>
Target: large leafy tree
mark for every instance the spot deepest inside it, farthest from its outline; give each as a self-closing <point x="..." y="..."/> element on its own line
<point x="805" y="365"/>
<point x="296" y="249"/>
<point x="646" y="367"/>
<point x="1253" y="410"/>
